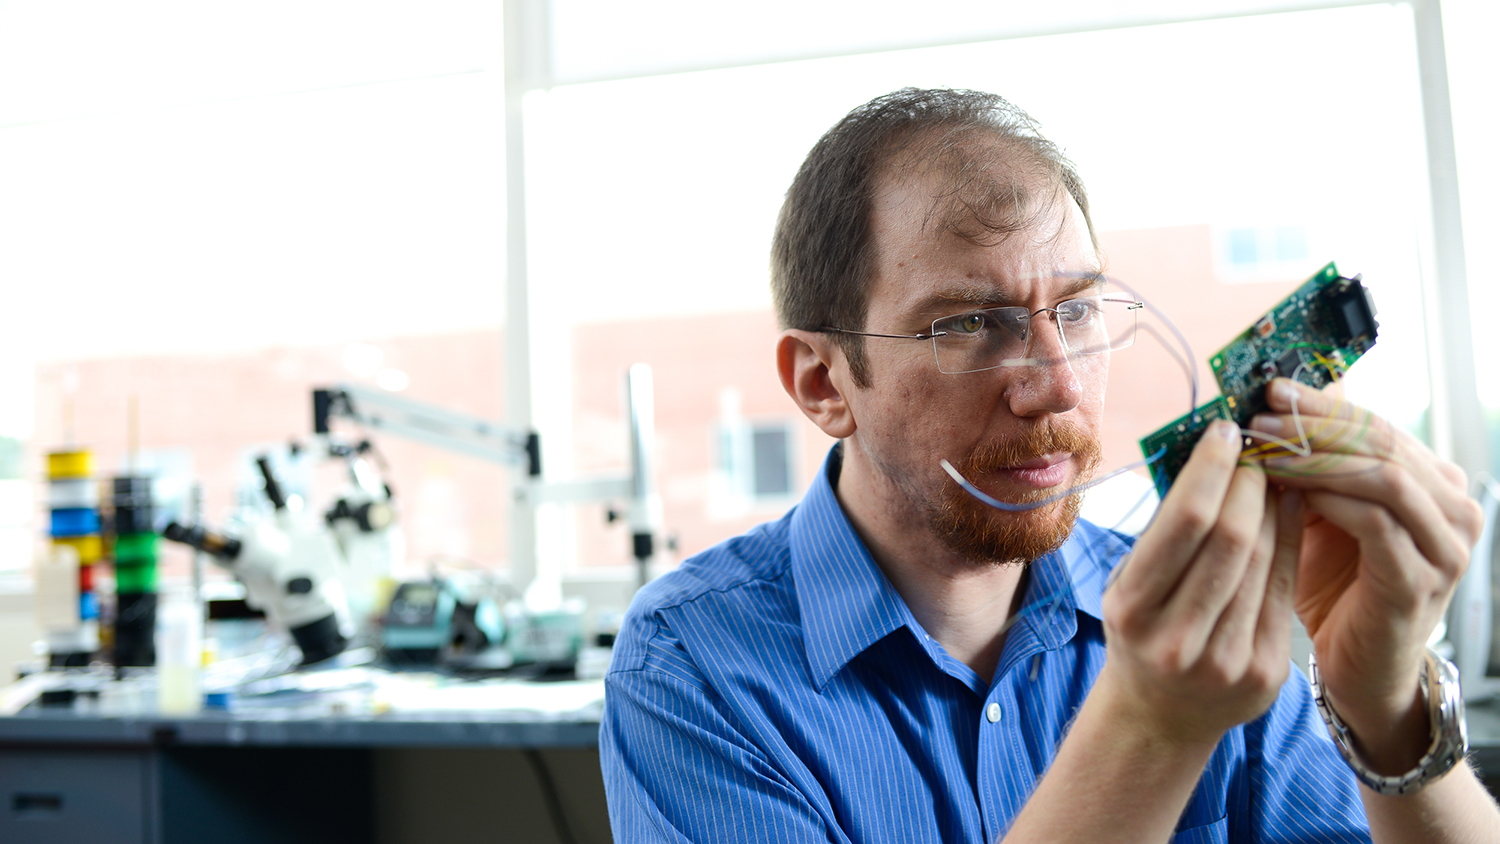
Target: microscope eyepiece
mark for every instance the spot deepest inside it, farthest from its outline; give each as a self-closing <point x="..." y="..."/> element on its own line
<point x="224" y="547"/>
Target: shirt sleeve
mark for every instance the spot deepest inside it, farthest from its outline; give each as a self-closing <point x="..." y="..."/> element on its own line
<point x="1300" y="789"/>
<point x="677" y="770"/>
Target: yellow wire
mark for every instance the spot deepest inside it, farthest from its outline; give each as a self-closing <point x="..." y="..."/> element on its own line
<point x="1282" y="447"/>
<point x="1278" y="446"/>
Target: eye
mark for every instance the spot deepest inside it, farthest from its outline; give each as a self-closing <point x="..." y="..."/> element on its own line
<point x="970" y="323"/>
<point x="1078" y="310"/>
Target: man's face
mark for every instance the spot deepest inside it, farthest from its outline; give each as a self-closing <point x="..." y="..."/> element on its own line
<point x="1020" y="433"/>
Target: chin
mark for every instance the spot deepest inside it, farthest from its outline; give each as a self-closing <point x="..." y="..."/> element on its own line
<point x="978" y="532"/>
<point x="983" y="534"/>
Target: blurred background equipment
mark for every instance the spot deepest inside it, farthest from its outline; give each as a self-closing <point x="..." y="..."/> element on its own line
<point x="431" y="622"/>
<point x="135" y="570"/>
<point x="290" y="565"/>
<point x="363" y="520"/>
<point x="73" y="500"/>
<point x="378" y="410"/>
<point x="1473" y="630"/>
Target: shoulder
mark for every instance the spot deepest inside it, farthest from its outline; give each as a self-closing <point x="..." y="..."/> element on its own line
<point x="740" y="579"/>
<point x="760" y="554"/>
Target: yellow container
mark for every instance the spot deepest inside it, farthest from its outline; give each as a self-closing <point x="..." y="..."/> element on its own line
<point x="90" y="548"/>
<point x="70" y="464"/>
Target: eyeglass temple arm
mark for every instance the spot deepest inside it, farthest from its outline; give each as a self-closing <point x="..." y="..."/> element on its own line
<point x="892" y="336"/>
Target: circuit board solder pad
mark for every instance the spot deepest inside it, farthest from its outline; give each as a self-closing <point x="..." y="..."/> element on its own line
<point x="1312" y="336"/>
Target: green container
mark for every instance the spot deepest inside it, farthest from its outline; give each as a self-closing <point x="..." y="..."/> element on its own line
<point x="135" y="577"/>
<point x="135" y="548"/>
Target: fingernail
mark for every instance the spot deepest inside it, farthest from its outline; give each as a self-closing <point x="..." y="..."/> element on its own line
<point x="1265" y="422"/>
<point x="1284" y="390"/>
<point x="1228" y="430"/>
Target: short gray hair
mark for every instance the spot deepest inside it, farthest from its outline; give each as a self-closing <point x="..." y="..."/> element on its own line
<point x="822" y="252"/>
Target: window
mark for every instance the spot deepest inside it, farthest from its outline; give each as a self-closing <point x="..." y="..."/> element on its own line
<point x="1272" y="245"/>
<point x="691" y="188"/>
<point x="771" y="455"/>
<point x="357" y="172"/>
<point x="754" y="460"/>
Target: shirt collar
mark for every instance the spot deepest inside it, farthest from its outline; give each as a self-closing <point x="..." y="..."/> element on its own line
<point x="847" y="604"/>
<point x="1063" y="584"/>
<point x="846" y="601"/>
<point x="1090" y="555"/>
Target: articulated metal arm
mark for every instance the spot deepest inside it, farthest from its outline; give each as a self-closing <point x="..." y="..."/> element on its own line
<point x="380" y="411"/>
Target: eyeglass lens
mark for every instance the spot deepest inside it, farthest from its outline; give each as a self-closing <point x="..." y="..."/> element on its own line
<point x="995" y="337"/>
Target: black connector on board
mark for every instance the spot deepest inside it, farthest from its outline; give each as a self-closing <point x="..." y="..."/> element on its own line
<point x="1353" y="311"/>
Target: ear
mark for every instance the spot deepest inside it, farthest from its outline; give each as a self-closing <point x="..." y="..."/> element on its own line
<point x="814" y="373"/>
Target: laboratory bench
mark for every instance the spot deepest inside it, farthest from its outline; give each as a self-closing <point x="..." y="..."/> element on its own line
<point x="522" y="767"/>
<point x="454" y="762"/>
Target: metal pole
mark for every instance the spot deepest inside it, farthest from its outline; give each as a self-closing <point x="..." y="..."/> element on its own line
<point x="645" y="503"/>
<point x="1457" y="419"/>
<point x="527" y="63"/>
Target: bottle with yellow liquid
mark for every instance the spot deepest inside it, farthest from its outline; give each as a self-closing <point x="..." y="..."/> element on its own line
<point x="179" y="652"/>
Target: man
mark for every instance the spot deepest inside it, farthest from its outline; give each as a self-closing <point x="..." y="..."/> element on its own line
<point x="896" y="661"/>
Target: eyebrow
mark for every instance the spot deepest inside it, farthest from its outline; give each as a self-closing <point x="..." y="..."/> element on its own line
<point x="989" y="297"/>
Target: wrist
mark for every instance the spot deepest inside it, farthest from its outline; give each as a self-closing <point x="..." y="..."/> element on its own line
<point x="1389" y="739"/>
<point x="1149" y="722"/>
<point x="1440" y="707"/>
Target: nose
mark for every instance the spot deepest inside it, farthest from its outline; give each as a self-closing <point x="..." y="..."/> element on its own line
<point x="1049" y="384"/>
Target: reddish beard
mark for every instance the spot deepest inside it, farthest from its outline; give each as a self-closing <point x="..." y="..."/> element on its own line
<point x="982" y="533"/>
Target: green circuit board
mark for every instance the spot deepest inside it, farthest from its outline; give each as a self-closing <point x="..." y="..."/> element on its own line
<point x="1314" y="334"/>
<point x="1175" y="441"/>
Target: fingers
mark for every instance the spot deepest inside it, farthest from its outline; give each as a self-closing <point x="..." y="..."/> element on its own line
<point x="1442" y="526"/>
<point x="1256" y="625"/>
<point x="1211" y="549"/>
<point x="1304" y="419"/>
<point x="1358" y="518"/>
<point x="1418" y="494"/>
<point x="1187" y="515"/>
<point x="1191" y="621"/>
<point x="1361" y="455"/>
<point x="1273" y="630"/>
<point x="1283" y="393"/>
<point x="1220" y="595"/>
<point x="1232" y="638"/>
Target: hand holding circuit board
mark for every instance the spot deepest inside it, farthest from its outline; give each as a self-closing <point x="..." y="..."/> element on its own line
<point x="1313" y="336"/>
<point x="1363" y="532"/>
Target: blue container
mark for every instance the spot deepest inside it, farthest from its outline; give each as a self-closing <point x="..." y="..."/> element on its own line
<point x="88" y="606"/>
<point x="75" y="521"/>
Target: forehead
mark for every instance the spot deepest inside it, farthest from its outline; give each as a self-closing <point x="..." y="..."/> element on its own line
<point x="933" y="247"/>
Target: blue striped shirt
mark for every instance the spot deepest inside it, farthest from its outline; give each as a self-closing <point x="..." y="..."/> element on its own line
<point x="777" y="688"/>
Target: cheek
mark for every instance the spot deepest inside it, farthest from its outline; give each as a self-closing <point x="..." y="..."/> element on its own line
<point x="924" y="409"/>
<point x="1093" y="377"/>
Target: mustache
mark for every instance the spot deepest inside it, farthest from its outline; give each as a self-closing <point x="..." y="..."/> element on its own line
<point x="1045" y="438"/>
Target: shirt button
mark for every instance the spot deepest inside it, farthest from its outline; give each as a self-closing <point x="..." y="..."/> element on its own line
<point x="992" y="712"/>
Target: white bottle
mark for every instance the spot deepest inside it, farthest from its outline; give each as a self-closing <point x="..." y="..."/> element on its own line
<point x="179" y="652"/>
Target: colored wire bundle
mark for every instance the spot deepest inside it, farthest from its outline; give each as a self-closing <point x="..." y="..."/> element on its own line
<point x="1341" y="443"/>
